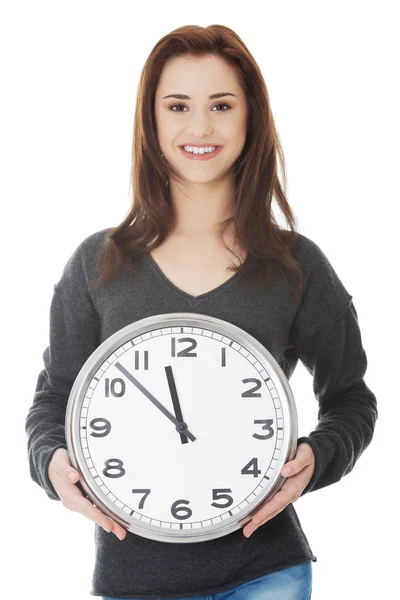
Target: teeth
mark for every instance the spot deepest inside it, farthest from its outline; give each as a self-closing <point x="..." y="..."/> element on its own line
<point x="196" y="150"/>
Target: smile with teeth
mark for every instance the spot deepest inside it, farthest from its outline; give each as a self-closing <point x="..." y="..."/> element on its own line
<point x="202" y="150"/>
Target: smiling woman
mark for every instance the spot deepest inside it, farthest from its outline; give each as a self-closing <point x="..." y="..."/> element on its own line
<point x="200" y="87"/>
<point x="204" y="126"/>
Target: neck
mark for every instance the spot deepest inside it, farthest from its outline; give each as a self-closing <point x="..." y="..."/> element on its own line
<point x="199" y="208"/>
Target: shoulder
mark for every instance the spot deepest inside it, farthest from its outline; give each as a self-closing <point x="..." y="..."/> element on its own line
<point x="307" y="251"/>
<point x="92" y="243"/>
<point x="87" y="250"/>
<point x="325" y="295"/>
<point x="313" y="260"/>
<point x="81" y="265"/>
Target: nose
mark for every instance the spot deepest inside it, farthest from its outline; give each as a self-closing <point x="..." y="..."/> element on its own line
<point x="199" y="125"/>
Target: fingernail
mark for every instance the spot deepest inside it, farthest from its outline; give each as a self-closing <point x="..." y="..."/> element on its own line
<point x="107" y="530"/>
<point x="71" y="476"/>
<point x="115" y="533"/>
<point x="286" y="471"/>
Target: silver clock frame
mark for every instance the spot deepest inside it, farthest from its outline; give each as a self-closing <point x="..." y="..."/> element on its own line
<point x="145" y="325"/>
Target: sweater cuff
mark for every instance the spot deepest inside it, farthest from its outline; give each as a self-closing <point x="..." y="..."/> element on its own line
<point x="317" y="467"/>
<point x="48" y="487"/>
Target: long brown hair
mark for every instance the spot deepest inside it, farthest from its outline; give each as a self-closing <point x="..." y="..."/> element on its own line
<point x="150" y="217"/>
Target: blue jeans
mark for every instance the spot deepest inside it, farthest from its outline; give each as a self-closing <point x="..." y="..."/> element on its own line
<point x="293" y="583"/>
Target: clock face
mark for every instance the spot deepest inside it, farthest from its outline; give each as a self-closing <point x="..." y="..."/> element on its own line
<point x="182" y="427"/>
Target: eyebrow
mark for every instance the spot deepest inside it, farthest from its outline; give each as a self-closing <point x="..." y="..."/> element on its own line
<point x="184" y="97"/>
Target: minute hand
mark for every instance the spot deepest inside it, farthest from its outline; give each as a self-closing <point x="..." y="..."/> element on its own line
<point x="180" y="426"/>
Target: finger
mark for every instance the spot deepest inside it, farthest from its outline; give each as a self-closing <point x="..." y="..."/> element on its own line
<point x="301" y="460"/>
<point x="87" y="508"/>
<point x="66" y="477"/>
<point x="251" y="527"/>
<point x="272" y="515"/>
<point x="293" y="466"/>
<point x="73" y="499"/>
<point x="298" y="481"/>
<point x="289" y="492"/>
<point x="60" y="464"/>
<point x="278" y="502"/>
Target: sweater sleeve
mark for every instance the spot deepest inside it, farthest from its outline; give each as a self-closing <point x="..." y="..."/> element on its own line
<point x="73" y="336"/>
<point x="347" y="412"/>
<point x="326" y="337"/>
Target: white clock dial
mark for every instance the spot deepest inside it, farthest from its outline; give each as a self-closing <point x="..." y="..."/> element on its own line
<point x="183" y="428"/>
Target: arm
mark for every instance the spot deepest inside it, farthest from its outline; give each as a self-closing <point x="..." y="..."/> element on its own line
<point x="347" y="413"/>
<point x="73" y="336"/>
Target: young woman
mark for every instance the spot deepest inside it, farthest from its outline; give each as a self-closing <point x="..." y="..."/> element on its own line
<point x="201" y="236"/>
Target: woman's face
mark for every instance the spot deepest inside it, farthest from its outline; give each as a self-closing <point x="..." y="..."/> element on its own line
<point x="198" y="119"/>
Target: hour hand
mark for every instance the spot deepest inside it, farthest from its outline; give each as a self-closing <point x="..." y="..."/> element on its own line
<point x="180" y="425"/>
<point x="175" y="400"/>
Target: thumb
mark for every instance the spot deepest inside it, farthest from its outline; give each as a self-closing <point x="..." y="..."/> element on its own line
<point x="65" y="468"/>
<point x="72" y="475"/>
<point x="301" y="460"/>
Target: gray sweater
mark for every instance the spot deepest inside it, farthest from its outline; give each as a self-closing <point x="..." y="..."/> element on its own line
<point x="320" y="328"/>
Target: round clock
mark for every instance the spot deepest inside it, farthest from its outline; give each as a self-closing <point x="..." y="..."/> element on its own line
<point x="179" y="425"/>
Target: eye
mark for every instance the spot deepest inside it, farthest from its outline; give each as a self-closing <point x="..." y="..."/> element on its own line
<point x="220" y="104"/>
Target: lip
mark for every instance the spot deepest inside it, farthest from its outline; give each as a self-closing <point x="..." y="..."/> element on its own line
<point x="206" y="156"/>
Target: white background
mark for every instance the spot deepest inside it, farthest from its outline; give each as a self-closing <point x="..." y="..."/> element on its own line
<point x="69" y="74"/>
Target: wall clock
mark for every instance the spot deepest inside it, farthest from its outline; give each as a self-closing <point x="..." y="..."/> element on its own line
<point x="179" y="425"/>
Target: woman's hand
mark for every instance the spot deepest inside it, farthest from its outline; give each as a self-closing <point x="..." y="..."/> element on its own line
<point x="301" y="472"/>
<point x="71" y="496"/>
